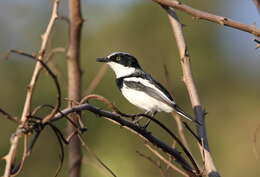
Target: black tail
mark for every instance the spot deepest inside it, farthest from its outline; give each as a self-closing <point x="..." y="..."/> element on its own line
<point x="184" y="114"/>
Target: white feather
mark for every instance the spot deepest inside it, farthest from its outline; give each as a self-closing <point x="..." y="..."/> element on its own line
<point x="148" y="84"/>
<point x="144" y="101"/>
<point x="121" y="70"/>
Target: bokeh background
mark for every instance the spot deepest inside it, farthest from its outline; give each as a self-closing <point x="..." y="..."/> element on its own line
<point x="224" y="62"/>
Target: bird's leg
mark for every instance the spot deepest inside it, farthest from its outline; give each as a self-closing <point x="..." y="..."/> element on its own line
<point x="148" y="122"/>
<point x="139" y="118"/>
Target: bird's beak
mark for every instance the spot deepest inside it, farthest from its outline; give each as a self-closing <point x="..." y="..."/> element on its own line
<point x="104" y="60"/>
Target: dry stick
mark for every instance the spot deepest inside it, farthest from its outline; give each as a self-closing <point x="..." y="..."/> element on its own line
<point x="74" y="83"/>
<point x="154" y="162"/>
<point x="167" y="161"/>
<point x="177" y="117"/>
<point x="8" y="116"/>
<point x="210" y="17"/>
<point x="26" y="110"/>
<point x="53" y="76"/>
<point x="174" y="115"/>
<point x="193" y="94"/>
<point x="99" y="76"/>
<point x="180" y="129"/>
<point x="104" y="100"/>
<point x="89" y="150"/>
<point x="53" y="66"/>
<point x="115" y="118"/>
<point x="55" y="109"/>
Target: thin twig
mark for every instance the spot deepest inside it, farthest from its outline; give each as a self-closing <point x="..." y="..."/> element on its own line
<point x="167" y="162"/>
<point x="176" y="116"/>
<point x="52" y="65"/>
<point x="115" y="118"/>
<point x="9" y="158"/>
<point x="99" y="76"/>
<point x="193" y="94"/>
<point x="154" y="162"/>
<point x="8" y="116"/>
<point x="186" y="151"/>
<point x="198" y="14"/>
<point x="53" y="76"/>
<point x="89" y="150"/>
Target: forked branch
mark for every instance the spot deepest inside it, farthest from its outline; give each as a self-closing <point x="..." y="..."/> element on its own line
<point x="9" y="158"/>
<point x="193" y="93"/>
<point x="210" y="17"/>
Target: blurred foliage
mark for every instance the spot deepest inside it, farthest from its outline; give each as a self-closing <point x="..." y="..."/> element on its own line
<point x="142" y="28"/>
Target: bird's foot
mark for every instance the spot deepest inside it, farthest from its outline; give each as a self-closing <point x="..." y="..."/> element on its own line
<point x="136" y="121"/>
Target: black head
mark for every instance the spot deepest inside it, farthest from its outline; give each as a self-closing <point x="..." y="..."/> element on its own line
<point x="122" y="58"/>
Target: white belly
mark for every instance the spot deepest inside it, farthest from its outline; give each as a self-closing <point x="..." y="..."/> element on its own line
<point x="144" y="101"/>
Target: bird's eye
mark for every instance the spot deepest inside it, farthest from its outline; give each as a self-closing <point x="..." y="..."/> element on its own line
<point x="118" y="58"/>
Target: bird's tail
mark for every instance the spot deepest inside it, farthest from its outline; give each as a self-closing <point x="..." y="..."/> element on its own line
<point x="184" y="114"/>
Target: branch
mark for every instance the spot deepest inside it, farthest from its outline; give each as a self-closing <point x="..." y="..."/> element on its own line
<point x="167" y="162"/>
<point x="53" y="76"/>
<point x="143" y="133"/>
<point x="26" y="110"/>
<point x="210" y="17"/>
<point x="104" y="100"/>
<point x="155" y="163"/>
<point x="99" y="76"/>
<point x="74" y="84"/>
<point x="174" y="115"/>
<point x="193" y="94"/>
<point x="8" y="116"/>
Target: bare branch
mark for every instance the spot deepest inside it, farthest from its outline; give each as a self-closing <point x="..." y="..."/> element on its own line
<point x="99" y="76"/>
<point x="167" y="162"/>
<point x="26" y="110"/>
<point x="174" y="115"/>
<point x="88" y="149"/>
<point x="115" y="118"/>
<point x="8" y="116"/>
<point x="193" y="94"/>
<point x="186" y="151"/>
<point x="210" y="17"/>
<point x="74" y="83"/>
<point x="154" y="162"/>
<point x="53" y="76"/>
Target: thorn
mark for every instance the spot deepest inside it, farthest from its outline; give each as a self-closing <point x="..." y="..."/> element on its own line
<point x="5" y="157"/>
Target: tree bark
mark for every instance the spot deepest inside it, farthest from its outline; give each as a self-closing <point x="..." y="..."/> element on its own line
<point x="74" y="84"/>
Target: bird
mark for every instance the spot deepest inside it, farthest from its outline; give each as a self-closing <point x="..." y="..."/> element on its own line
<point x="139" y="87"/>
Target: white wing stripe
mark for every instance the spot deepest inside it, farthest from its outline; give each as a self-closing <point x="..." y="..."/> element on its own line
<point x="148" y="84"/>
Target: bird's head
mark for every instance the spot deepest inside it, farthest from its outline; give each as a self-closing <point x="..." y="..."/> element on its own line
<point x="122" y="63"/>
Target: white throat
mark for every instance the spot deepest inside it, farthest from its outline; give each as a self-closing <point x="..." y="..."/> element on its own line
<point x="121" y="70"/>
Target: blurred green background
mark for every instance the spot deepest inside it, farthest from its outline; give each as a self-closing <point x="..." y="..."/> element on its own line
<point x="224" y="62"/>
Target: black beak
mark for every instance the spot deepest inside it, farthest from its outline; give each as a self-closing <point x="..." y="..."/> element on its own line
<point x="103" y="60"/>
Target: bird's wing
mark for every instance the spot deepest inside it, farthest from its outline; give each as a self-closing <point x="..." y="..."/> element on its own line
<point x="150" y="87"/>
<point x="154" y="89"/>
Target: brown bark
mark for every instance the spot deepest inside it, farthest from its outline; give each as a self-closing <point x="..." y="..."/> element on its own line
<point x="74" y="83"/>
<point x="210" y="17"/>
<point x="192" y="90"/>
